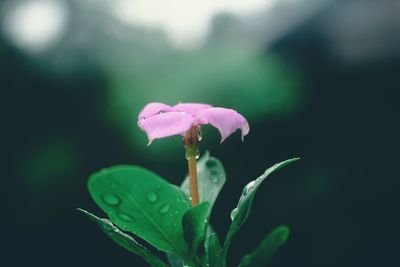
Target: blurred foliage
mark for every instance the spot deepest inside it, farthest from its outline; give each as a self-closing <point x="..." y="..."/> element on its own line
<point x="228" y="76"/>
<point x="141" y="65"/>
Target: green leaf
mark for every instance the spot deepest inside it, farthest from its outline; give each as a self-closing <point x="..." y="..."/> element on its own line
<point x="267" y="248"/>
<point x="125" y="240"/>
<point x="214" y="251"/>
<point x="174" y="260"/>
<point x="195" y="222"/>
<point x="143" y="203"/>
<point x="211" y="179"/>
<point x="242" y="211"/>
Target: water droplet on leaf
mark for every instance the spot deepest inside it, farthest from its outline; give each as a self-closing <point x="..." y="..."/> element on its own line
<point x="234" y="213"/>
<point x="107" y="227"/>
<point x="248" y="188"/>
<point x="152" y="197"/>
<point x="110" y="199"/>
<point x="165" y="208"/>
<point x="214" y="178"/>
<point x="125" y="217"/>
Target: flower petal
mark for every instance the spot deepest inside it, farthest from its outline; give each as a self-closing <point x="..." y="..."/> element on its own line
<point x="227" y="121"/>
<point x="191" y="108"/>
<point x="166" y="124"/>
<point x="152" y="109"/>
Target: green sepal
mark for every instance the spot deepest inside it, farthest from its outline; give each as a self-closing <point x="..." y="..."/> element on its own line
<point x="242" y="211"/>
<point x="124" y="240"/>
<point x="267" y="248"/>
<point x="141" y="202"/>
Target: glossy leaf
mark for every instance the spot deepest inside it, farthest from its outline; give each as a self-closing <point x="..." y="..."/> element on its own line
<point x="195" y="223"/>
<point x="143" y="203"/>
<point x="125" y="240"/>
<point x="214" y="251"/>
<point x="267" y="248"/>
<point x="211" y="179"/>
<point x="242" y="211"/>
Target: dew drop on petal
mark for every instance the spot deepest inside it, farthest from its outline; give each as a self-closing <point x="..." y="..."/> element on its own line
<point x="110" y="199"/>
<point x="141" y="121"/>
<point x="152" y="197"/>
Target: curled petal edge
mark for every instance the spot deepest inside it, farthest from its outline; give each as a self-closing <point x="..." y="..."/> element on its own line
<point x="166" y="124"/>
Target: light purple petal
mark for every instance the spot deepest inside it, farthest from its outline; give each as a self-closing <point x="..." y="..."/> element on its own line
<point x="227" y="121"/>
<point x="191" y="108"/>
<point x="152" y="109"/>
<point x="166" y="124"/>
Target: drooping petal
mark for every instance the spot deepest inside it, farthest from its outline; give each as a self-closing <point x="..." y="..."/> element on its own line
<point x="152" y="109"/>
<point x="227" y="121"/>
<point x="191" y="108"/>
<point x="166" y="124"/>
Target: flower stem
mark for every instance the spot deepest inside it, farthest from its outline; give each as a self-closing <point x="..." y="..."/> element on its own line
<point x="194" y="191"/>
<point x="190" y="140"/>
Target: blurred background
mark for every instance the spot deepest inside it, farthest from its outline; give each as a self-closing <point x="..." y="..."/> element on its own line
<point x="318" y="79"/>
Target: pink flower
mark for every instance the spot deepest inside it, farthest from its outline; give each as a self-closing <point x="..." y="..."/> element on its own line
<point x="159" y="120"/>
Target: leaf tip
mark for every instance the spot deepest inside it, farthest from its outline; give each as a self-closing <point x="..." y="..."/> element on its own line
<point x="293" y="159"/>
<point x="81" y="210"/>
<point x="283" y="231"/>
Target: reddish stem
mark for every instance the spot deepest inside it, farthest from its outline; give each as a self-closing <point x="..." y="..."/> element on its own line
<point x="190" y="140"/>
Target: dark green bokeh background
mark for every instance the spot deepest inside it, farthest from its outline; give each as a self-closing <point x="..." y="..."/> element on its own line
<point x="328" y="96"/>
